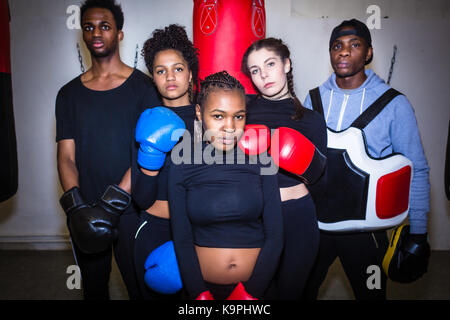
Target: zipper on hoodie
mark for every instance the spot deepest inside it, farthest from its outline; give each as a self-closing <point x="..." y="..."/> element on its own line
<point x="341" y="113"/>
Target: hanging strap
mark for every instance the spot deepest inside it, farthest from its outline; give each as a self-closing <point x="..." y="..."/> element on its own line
<point x="316" y="100"/>
<point x="367" y="116"/>
<point x="374" y="109"/>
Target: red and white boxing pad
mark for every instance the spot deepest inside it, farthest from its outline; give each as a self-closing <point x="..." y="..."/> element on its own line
<point x="255" y="140"/>
<point x="387" y="181"/>
<point x="293" y="152"/>
<point x="223" y="30"/>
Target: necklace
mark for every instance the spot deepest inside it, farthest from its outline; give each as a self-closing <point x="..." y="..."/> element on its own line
<point x="284" y="95"/>
<point x="287" y="94"/>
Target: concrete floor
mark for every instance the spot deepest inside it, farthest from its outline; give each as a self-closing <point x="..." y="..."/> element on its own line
<point x="42" y="275"/>
<point x="434" y="285"/>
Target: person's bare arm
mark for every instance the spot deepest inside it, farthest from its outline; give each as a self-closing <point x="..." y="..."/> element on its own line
<point x="150" y="172"/>
<point x="67" y="170"/>
<point x="125" y="183"/>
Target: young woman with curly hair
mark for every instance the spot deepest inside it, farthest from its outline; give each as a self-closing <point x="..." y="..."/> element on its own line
<point x="172" y="63"/>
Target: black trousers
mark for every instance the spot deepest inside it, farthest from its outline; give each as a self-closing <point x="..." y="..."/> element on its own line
<point x="301" y="243"/>
<point x="357" y="253"/>
<point x="96" y="268"/>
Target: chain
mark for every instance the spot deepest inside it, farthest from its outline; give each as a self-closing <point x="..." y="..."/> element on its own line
<point x="80" y="58"/>
<point x="392" y="64"/>
<point x="136" y="57"/>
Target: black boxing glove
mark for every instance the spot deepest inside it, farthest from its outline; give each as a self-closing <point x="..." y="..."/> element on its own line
<point x="416" y="254"/>
<point x="407" y="257"/>
<point x="93" y="228"/>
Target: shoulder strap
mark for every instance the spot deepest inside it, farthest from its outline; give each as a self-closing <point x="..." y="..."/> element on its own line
<point x="316" y="100"/>
<point x="374" y="109"/>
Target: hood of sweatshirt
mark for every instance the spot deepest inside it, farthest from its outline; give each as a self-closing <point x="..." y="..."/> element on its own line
<point x="342" y="107"/>
<point x="372" y="81"/>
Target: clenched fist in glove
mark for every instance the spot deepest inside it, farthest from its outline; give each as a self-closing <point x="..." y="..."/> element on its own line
<point x="157" y="132"/>
<point x="93" y="228"/>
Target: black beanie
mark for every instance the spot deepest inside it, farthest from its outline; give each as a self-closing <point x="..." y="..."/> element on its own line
<point x="359" y="29"/>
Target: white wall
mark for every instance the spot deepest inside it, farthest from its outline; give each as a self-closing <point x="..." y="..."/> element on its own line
<point x="44" y="58"/>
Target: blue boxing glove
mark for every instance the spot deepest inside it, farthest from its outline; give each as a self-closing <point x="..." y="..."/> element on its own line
<point x="157" y="131"/>
<point x="161" y="270"/>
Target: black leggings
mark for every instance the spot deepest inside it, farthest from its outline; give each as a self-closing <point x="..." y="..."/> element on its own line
<point x="301" y="243"/>
<point x="220" y="291"/>
<point x="152" y="232"/>
<point x="223" y="291"/>
<point x="356" y="251"/>
<point x="123" y="252"/>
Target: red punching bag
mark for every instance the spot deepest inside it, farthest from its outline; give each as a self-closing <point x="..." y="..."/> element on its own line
<point x="8" y="158"/>
<point x="223" y="30"/>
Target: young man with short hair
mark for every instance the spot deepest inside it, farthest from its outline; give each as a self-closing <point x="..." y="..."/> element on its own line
<point x="96" y="114"/>
<point x="347" y="93"/>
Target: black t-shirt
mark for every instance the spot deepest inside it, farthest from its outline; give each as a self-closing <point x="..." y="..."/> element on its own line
<point x="102" y="125"/>
<point x="221" y="202"/>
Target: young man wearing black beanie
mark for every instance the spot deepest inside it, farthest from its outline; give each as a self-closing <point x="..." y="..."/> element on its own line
<point x="347" y="94"/>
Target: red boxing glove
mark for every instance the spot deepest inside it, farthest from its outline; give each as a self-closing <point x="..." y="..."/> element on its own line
<point x="293" y="152"/>
<point x="255" y="140"/>
<point x="206" y="295"/>
<point x="239" y="293"/>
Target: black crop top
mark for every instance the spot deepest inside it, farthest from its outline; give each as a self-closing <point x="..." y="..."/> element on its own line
<point x="275" y="114"/>
<point x="228" y="205"/>
<point x="146" y="189"/>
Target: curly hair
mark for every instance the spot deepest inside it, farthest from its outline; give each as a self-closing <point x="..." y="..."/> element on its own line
<point x="281" y="49"/>
<point x="219" y="80"/>
<point x="173" y="37"/>
<point x="111" y="5"/>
